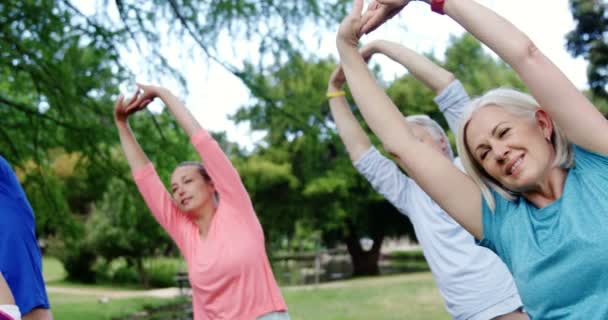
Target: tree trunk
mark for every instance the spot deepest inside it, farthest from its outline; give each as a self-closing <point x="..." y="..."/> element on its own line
<point x="365" y="263"/>
<point x="143" y="276"/>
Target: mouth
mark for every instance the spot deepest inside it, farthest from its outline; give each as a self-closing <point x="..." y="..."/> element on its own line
<point x="185" y="201"/>
<point x="514" y="166"/>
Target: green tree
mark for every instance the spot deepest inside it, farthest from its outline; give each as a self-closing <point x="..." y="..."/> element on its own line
<point x="301" y="172"/>
<point x="60" y="68"/>
<point x="588" y="40"/>
<point x="62" y="62"/>
<point x="303" y="162"/>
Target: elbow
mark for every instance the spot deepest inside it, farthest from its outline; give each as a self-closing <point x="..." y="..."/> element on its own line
<point x="450" y="77"/>
<point x="526" y="53"/>
<point x="392" y="149"/>
<point x="446" y="80"/>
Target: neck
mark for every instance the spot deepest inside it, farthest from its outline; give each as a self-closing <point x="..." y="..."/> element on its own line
<point x="548" y="190"/>
<point x="204" y="217"/>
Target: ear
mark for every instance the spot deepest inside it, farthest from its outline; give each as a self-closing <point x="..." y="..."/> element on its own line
<point x="544" y="123"/>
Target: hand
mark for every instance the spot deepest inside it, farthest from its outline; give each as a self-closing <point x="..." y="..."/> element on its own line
<point x="349" y="30"/>
<point x="336" y="80"/>
<point x="124" y="108"/>
<point x="145" y="93"/>
<point x="380" y="11"/>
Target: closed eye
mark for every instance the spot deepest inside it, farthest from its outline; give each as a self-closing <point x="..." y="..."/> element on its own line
<point x="484" y="153"/>
<point x="503" y="132"/>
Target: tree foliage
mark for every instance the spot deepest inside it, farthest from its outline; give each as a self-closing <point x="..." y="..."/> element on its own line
<point x="302" y="161"/>
<point x="588" y="40"/>
<point x="62" y="62"/>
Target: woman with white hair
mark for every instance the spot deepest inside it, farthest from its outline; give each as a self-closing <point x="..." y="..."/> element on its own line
<point x="543" y="214"/>
<point x="474" y="283"/>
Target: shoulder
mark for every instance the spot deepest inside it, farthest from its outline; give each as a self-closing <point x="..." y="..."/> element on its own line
<point x="5" y="167"/>
<point x="589" y="160"/>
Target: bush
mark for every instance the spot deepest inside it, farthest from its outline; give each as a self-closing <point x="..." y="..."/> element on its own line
<point x="78" y="260"/>
<point x="125" y="274"/>
<point x="162" y="271"/>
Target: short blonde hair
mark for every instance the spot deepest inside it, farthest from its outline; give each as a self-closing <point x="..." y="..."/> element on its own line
<point x="521" y="105"/>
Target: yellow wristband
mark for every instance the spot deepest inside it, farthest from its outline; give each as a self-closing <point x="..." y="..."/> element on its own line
<point x="334" y="94"/>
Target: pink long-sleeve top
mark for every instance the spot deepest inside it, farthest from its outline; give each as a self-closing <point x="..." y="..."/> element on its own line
<point x="228" y="270"/>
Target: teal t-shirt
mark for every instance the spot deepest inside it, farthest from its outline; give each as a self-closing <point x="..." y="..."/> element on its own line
<point x="558" y="254"/>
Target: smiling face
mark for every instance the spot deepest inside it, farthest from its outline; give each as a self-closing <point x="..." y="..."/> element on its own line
<point x="514" y="150"/>
<point x="191" y="191"/>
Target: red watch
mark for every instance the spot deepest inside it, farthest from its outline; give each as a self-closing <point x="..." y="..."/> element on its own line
<point x="437" y="6"/>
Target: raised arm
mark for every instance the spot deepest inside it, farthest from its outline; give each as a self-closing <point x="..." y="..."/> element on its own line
<point x="582" y="122"/>
<point x="148" y="182"/>
<point x="450" y="188"/>
<point x="422" y="68"/>
<point x="225" y="177"/>
<point x="451" y="96"/>
<point x="135" y="155"/>
<point x="350" y="131"/>
<point x="182" y="115"/>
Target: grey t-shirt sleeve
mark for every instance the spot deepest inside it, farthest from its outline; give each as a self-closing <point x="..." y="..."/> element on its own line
<point x="452" y="102"/>
<point x="386" y="178"/>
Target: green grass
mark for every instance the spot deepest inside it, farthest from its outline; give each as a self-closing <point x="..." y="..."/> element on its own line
<point x="77" y="307"/>
<point x="406" y="296"/>
<point x="412" y="297"/>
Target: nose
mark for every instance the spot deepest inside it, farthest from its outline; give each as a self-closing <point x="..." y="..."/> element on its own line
<point x="501" y="151"/>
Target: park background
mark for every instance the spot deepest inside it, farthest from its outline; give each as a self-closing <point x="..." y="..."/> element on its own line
<point x="254" y="72"/>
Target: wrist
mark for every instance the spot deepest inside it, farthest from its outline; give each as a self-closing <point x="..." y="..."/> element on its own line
<point x="121" y="123"/>
<point x="376" y="46"/>
<point x="162" y="92"/>
<point x="332" y="87"/>
<point x="335" y="94"/>
<point x="346" y="43"/>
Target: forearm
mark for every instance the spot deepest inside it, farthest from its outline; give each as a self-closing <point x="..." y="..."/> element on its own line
<point x="184" y="118"/>
<point x="452" y="102"/>
<point x="506" y="40"/>
<point x="376" y="107"/>
<point x="131" y="148"/>
<point x="349" y="129"/>
<point x="422" y="68"/>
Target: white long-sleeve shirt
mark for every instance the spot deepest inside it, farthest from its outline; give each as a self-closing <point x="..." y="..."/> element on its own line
<point x="470" y="278"/>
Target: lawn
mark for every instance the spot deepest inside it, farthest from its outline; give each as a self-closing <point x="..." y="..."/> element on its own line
<point x="405" y="296"/>
<point x="411" y="297"/>
<point x="77" y="307"/>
